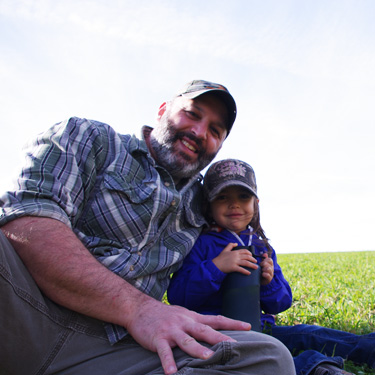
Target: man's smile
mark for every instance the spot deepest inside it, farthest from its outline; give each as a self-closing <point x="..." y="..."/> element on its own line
<point x="189" y="146"/>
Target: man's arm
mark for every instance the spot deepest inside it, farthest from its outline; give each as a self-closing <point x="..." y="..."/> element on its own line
<point x="69" y="275"/>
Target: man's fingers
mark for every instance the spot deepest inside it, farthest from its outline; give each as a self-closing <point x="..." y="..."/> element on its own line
<point x="190" y="346"/>
<point x="187" y="344"/>
<point x="222" y="323"/>
<point x="166" y="357"/>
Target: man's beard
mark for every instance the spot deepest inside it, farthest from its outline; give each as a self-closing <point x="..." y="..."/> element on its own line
<point x="163" y="140"/>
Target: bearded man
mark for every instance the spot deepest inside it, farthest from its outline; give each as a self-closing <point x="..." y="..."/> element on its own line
<point x="90" y="236"/>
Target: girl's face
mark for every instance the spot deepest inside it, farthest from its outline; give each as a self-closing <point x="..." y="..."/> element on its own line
<point x="233" y="208"/>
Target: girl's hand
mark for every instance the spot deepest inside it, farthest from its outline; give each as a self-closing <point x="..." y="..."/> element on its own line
<point x="267" y="270"/>
<point x="234" y="261"/>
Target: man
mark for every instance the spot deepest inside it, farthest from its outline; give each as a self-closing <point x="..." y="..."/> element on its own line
<point x="134" y="204"/>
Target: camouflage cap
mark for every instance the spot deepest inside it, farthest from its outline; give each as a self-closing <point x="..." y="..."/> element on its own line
<point x="228" y="172"/>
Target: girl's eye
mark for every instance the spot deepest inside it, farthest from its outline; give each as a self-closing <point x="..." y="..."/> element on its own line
<point x="220" y="198"/>
<point x="245" y="196"/>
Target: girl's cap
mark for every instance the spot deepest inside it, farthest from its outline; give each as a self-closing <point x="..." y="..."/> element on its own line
<point x="228" y="172"/>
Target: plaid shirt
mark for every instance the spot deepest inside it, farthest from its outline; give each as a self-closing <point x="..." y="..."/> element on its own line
<point x="125" y="209"/>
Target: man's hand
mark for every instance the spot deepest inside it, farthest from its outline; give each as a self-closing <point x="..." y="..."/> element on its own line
<point x="160" y="327"/>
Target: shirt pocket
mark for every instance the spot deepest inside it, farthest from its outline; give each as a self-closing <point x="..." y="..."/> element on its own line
<point x="136" y="190"/>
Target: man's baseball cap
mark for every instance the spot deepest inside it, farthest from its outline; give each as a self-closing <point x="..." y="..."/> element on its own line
<point x="199" y="87"/>
<point x="228" y="172"/>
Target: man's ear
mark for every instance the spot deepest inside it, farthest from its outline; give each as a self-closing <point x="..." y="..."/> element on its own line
<point x="162" y="110"/>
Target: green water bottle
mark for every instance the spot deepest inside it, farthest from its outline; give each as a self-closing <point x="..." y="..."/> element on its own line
<point x="241" y="295"/>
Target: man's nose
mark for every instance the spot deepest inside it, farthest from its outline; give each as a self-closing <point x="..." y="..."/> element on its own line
<point x="200" y="129"/>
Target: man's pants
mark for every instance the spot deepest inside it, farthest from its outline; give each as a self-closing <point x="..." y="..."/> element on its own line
<point x="41" y="337"/>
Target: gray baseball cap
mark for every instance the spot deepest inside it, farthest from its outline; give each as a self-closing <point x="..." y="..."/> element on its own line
<point x="228" y="172"/>
<point x="199" y="87"/>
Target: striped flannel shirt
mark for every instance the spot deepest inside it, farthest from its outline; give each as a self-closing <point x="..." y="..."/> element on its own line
<point x="123" y="207"/>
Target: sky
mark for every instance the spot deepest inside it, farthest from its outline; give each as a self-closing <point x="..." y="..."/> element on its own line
<point x="301" y="72"/>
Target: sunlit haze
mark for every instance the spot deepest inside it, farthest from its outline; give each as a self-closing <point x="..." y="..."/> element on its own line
<point x="302" y="74"/>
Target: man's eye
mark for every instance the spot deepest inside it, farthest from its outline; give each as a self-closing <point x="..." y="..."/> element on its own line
<point x="215" y="131"/>
<point x="192" y="114"/>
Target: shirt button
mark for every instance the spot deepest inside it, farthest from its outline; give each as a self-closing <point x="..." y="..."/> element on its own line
<point x="139" y="253"/>
<point x="173" y="203"/>
<point x="167" y="184"/>
<point x="131" y="268"/>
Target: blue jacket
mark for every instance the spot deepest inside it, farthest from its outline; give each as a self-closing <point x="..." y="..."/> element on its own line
<point x="196" y="285"/>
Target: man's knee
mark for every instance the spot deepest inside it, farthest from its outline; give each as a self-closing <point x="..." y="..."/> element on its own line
<point x="272" y="353"/>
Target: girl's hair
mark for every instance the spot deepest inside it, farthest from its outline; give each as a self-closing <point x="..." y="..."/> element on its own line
<point x="258" y="230"/>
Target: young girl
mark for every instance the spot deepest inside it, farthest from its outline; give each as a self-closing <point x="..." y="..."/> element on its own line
<point x="233" y="212"/>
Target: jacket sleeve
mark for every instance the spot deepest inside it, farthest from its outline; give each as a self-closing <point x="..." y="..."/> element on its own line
<point x="197" y="281"/>
<point x="277" y="295"/>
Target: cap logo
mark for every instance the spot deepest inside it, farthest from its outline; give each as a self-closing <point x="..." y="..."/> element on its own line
<point x="230" y="169"/>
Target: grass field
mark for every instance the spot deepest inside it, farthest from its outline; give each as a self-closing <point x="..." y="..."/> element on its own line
<point x="335" y="290"/>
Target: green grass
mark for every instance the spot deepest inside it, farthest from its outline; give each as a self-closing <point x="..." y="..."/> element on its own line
<point x="335" y="290"/>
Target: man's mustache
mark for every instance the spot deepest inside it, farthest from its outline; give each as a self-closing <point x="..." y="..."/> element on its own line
<point x="182" y="134"/>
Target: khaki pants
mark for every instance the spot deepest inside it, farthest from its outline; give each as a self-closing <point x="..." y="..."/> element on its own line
<point x="40" y="337"/>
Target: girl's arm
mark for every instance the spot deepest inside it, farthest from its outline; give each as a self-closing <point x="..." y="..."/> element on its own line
<point x="197" y="281"/>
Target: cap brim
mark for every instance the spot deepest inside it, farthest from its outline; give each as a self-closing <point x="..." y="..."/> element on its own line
<point x="214" y="192"/>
